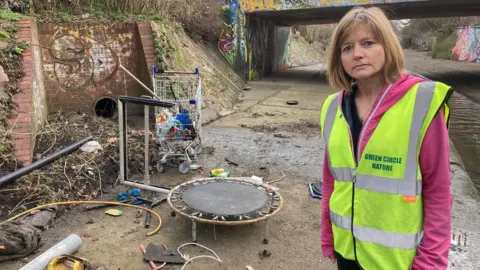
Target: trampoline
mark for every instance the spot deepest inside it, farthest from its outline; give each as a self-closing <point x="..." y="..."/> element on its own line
<point x="225" y="201"/>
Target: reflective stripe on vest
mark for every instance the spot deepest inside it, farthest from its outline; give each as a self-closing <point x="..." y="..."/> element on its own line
<point x="402" y="186"/>
<point x="388" y="239"/>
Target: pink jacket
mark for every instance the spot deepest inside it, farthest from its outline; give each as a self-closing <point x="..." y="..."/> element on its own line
<point x="435" y="166"/>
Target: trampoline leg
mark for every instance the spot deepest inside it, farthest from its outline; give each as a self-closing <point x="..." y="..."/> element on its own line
<point x="265" y="237"/>
<point x="194" y="231"/>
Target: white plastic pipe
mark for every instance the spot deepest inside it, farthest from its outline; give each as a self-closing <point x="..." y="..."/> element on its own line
<point x="67" y="246"/>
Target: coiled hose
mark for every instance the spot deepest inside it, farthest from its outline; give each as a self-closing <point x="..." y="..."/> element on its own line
<point x="93" y="202"/>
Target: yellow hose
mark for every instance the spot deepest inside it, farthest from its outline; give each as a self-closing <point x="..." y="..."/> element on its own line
<point x="93" y="202"/>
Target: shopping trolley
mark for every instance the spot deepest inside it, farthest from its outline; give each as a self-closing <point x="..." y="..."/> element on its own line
<point x="178" y="129"/>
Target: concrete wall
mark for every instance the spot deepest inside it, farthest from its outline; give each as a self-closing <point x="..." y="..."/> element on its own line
<point x="253" y="46"/>
<point x="30" y="100"/>
<point x="81" y="63"/>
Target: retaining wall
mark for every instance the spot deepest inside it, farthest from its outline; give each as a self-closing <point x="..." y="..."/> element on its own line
<point x="82" y="63"/>
<point x="76" y="66"/>
<point x="30" y="100"/>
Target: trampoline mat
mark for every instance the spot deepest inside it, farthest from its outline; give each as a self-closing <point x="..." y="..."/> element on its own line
<point x="225" y="198"/>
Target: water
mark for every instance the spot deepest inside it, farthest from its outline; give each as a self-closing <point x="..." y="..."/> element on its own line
<point x="465" y="133"/>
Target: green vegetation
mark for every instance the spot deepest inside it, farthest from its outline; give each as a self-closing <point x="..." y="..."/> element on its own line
<point x="164" y="47"/>
<point x="201" y="18"/>
<point x="8" y="15"/>
<point x="11" y="61"/>
<point x="443" y="49"/>
<point x="437" y="35"/>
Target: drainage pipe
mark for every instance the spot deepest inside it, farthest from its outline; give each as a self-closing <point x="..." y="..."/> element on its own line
<point x="68" y="246"/>
<point x="7" y="179"/>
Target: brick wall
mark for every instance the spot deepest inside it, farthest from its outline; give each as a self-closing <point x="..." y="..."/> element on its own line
<point x="30" y="100"/>
<point x="146" y="43"/>
<point x="81" y="64"/>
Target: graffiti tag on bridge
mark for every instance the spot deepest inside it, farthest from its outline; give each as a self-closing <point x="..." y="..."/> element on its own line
<point x="294" y="2"/>
<point x="78" y="62"/>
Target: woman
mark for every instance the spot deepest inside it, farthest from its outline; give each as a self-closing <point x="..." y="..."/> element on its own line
<point x="386" y="180"/>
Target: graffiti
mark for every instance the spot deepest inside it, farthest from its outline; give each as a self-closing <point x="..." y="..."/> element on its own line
<point x="76" y="65"/>
<point x="247" y="43"/>
<point x="226" y="43"/>
<point x="258" y="32"/>
<point x="257" y="5"/>
<point x="294" y="2"/>
<point x="285" y="63"/>
<point x="344" y="2"/>
<point x="252" y="5"/>
<point x="467" y="47"/>
<point x="241" y="36"/>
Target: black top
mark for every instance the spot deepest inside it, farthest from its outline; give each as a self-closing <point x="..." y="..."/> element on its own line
<point x="349" y="110"/>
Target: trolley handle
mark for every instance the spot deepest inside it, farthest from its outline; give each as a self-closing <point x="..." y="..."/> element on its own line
<point x="156" y="71"/>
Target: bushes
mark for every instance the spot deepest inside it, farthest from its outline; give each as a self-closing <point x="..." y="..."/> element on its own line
<point x="442" y="49"/>
<point x="199" y="18"/>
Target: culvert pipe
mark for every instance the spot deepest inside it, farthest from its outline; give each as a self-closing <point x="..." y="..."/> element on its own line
<point x="9" y="178"/>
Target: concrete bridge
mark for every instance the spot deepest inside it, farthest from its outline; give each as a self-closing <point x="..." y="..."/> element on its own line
<point x="256" y="34"/>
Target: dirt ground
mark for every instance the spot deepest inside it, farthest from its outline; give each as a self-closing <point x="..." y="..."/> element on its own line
<point x="265" y="137"/>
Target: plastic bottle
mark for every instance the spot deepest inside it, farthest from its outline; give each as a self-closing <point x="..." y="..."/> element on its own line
<point x="214" y="172"/>
<point x="223" y="174"/>
<point x="196" y="167"/>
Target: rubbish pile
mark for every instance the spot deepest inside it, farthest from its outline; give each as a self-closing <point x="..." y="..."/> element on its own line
<point x="83" y="173"/>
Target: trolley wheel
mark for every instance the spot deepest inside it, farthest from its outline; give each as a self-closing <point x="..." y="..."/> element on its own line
<point x="184" y="167"/>
<point x="160" y="167"/>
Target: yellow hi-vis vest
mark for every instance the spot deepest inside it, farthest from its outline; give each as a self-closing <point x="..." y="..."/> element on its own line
<point x="376" y="207"/>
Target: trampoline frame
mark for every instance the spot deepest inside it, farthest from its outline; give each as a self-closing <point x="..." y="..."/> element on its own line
<point x="275" y="205"/>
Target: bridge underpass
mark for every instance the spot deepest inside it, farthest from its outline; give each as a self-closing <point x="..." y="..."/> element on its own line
<point x="396" y="10"/>
<point x="256" y="34"/>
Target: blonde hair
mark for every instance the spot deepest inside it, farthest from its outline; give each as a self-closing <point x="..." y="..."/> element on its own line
<point x="384" y="34"/>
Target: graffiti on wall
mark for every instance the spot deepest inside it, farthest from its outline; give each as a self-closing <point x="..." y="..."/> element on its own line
<point x="75" y="65"/>
<point x="467" y="47"/>
<point x="86" y="58"/>
<point x="245" y="42"/>
<point x="252" y="5"/>
<point x="228" y="38"/>
<point x="257" y="5"/>
<point x="258" y="35"/>
<point x="285" y="62"/>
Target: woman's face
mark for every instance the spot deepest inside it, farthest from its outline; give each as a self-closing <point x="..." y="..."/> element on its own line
<point x="362" y="56"/>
